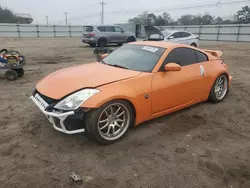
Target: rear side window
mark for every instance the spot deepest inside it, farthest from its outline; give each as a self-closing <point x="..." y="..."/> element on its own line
<point x="88" y="28"/>
<point x="109" y="29"/>
<point x="102" y="29"/>
<point x="201" y="57"/>
<point x="181" y="56"/>
<point x="184" y="34"/>
<point x="176" y="35"/>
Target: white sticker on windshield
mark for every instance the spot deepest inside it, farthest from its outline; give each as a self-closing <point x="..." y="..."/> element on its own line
<point x="151" y="49"/>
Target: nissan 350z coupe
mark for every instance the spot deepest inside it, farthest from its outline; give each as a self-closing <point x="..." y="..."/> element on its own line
<point x="135" y="83"/>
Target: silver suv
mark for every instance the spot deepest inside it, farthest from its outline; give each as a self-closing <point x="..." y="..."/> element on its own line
<point x="105" y="34"/>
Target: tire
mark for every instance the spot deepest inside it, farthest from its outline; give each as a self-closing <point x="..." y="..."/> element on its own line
<point x="102" y="42"/>
<point x="131" y="39"/>
<point x="119" y="44"/>
<point x="213" y="97"/>
<point x="92" y="44"/>
<point x="3" y="50"/>
<point x="100" y="131"/>
<point x="11" y="75"/>
<point x="193" y="44"/>
<point x="20" y="72"/>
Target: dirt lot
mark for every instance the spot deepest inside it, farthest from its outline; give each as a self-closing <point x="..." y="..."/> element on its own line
<point x="205" y="146"/>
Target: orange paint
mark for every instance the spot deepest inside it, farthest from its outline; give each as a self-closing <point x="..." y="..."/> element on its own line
<point x="167" y="91"/>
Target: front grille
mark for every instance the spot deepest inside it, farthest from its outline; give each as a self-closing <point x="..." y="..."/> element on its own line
<point x="47" y="99"/>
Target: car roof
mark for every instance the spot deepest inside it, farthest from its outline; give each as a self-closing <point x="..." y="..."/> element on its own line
<point x="101" y="25"/>
<point x="160" y="44"/>
<point x="173" y="31"/>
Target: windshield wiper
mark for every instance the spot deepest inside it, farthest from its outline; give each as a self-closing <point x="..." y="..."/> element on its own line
<point x="103" y="62"/>
<point x="119" y="66"/>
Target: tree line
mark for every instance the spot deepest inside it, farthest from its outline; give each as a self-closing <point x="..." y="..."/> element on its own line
<point x="242" y="17"/>
<point x="7" y="16"/>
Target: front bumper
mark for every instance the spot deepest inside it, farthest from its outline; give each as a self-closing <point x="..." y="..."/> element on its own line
<point x="53" y="116"/>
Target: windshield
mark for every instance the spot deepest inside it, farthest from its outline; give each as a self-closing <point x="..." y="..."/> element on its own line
<point x="135" y="57"/>
<point x="166" y="33"/>
<point x="156" y="37"/>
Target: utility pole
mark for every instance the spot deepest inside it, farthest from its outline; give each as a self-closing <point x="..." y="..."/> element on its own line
<point x="47" y="20"/>
<point x="66" y="18"/>
<point x="102" y="13"/>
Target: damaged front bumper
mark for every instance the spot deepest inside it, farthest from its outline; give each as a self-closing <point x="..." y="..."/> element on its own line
<point x="59" y="120"/>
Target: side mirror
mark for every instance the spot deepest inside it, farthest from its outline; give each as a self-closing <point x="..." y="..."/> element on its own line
<point x="171" y="37"/>
<point x="100" y="57"/>
<point x="172" y="67"/>
<point x="104" y="55"/>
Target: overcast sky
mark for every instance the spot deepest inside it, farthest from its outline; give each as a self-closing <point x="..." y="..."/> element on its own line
<point x="88" y="11"/>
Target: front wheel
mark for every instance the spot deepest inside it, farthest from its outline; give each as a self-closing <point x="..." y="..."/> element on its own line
<point x="110" y="122"/>
<point x="193" y="44"/>
<point x="11" y="75"/>
<point x="219" y="89"/>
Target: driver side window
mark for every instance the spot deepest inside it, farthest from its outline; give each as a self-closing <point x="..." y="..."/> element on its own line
<point x="182" y="56"/>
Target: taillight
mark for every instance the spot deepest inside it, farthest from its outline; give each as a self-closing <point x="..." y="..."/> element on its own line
<point x="92" y="34"/>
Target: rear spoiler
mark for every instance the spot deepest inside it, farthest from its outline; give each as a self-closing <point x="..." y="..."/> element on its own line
<point x="215" y="53"/>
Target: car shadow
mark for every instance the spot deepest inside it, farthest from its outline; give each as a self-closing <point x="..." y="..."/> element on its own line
<point x="174" y="120"/>
<point x="165" y="127"/>
<point x="93" y="47"/>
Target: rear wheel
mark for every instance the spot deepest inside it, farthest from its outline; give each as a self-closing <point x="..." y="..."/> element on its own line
<point x="110" y="122"/>
<point x="219" y="89"/>
<point x="92" y="44"/>
<point x="102" y="42"/>
<point x="20" y="72"/>
<point x="11" y="75"/>
<point x="131" y="39"/>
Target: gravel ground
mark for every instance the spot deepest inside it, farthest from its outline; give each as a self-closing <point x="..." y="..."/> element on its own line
<point x="204" y="146"/>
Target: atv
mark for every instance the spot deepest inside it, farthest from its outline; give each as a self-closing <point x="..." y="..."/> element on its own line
<point x="12" y="62"/>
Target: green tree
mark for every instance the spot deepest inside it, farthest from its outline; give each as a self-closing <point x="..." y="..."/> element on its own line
<point x="167" y="18"/>
<point x="186" y="19"/>
<point x="218" y="20"/>
<point x="243" y="15"/>
<point x="207" y="19"/>
<point x="151" y="19"/>
<point x="160" y="21"/>
<point x="6" y="16"/>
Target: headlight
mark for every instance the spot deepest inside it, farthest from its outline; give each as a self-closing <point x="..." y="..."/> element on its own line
<point x="75" y="100"/>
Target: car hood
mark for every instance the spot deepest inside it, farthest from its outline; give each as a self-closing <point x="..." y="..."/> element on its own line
<point x="149" y="30"/>
<point x="91" y="75"/>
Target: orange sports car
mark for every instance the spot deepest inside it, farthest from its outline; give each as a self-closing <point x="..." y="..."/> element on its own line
<point x="135" y="83"/>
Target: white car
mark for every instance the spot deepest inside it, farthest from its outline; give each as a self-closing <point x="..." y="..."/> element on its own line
<point x="182" y="37"/>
